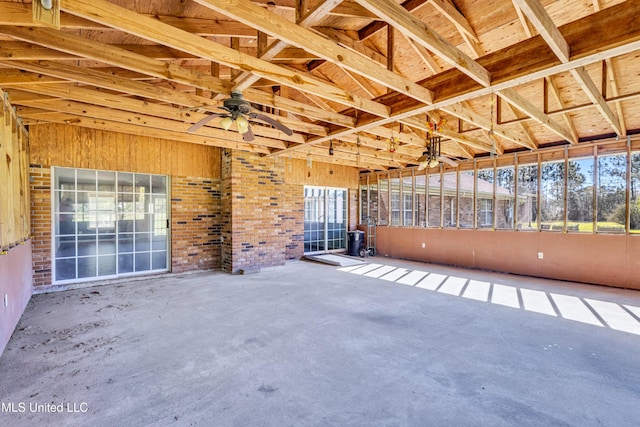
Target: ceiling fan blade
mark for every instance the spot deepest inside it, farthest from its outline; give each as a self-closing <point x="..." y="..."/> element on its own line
<point x="422" y="165"/>
<point x="204" y="121"/>
<point x="248" y="136"/>
<point x="276" y="124"/>
<point x="448" y="161"/>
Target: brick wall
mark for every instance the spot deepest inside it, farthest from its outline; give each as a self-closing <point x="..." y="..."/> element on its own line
<point x="255" y="212"/>
<point x="40" y="187"/>
<point x="195" y="224"/>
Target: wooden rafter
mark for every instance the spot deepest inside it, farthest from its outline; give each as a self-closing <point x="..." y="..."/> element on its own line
<point x="306" y="20"/>
<point x="415" y="29"/>
<point x="247" y="12"/>
<point x="118" y="17"/>
<point x="541" y="20"/>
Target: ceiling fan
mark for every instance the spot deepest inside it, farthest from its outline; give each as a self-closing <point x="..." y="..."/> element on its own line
<point x="239" y="110"/>
<point x="432" y="156"/>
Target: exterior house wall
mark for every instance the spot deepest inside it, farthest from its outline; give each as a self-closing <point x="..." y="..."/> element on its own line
<point x="194" y="171"/>
<point x="230" y="210"/>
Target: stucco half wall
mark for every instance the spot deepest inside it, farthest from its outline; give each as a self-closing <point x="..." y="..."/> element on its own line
<point x="611" y="260"/>
<point x="17" y="284"/>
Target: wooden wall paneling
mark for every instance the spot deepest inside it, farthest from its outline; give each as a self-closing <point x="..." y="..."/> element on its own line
<point x="157" y="155"/>
<point x="14" y="168"/>
<point x="4" y="232"/>
<point x="5" y="163"/>
<point x="24" y="181"/>
<point x="72" y="146"/>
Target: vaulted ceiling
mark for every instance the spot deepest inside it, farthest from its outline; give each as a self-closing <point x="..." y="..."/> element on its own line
<point x="498" y="75"/>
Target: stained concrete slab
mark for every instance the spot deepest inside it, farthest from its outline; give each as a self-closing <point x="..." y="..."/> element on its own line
<point x="310" y="345"/>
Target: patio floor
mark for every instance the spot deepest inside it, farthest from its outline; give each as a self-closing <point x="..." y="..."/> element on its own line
<point x="386" y="343"/>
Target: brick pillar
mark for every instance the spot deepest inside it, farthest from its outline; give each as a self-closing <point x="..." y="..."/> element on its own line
<point x="254" y="212"/>
<point x="40" y="180"/>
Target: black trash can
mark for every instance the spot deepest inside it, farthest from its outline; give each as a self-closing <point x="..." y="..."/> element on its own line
<point x="355" y="242"/>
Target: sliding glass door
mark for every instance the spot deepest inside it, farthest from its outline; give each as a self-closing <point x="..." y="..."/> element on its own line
<point x="325" y="219"/>
<point x="108" y="224"/>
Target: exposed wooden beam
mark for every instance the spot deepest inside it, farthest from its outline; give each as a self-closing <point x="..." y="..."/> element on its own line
<point x="352" y="44"/>
<point x="305" y="20"/>
<point x="448" y="10"/>
<point x="424" y="55"/>
<point x="103" y="52"/>
<point x="267" y="137"/>
<point x="374" y="27"/>
<point x="231" y="142"/>
<point x="125" y="103"/>
<point x="539" y="17"/>
<point x="470" y="116"/>
<point x="589" y="87"/>
<point x="117" y="17"/>
<point x="524" y="105"/>
<point x="541" y="20"/>
<point x="617" y="30"/>
<point x="277" y="26"/>
<point x="447" y="133"/>
<point x="412" y="27"/>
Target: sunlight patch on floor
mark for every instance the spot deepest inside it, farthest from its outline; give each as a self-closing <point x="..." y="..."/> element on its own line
<point x="624" y="318"/>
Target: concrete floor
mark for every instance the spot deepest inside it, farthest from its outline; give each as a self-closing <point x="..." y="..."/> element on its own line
<point x="316" y="345"/>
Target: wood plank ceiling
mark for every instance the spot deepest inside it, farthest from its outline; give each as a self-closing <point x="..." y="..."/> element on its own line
<point x="506" y="75"/>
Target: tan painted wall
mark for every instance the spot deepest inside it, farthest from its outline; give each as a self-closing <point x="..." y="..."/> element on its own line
<point x="611" y="260"/>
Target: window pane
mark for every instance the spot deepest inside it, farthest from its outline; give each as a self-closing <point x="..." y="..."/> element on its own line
<point x="435" y="210"/>
<point x="421" y="201"/>
<point x="449" y="191"/>
<point x="364" y="203"/>
<point x="407" y="201"/>
<point x="383" y="200"/>
<point x="580" y="195"/>
<point x="485" y="198"/>
<point x="65" y="179"/>
<point x="143" y="261"/>
<point x="528" y="197"/>
<point x="106" y="244"/>
<point x="142" y="184"/>
<point x="552" y="196"/>
<point x="395" y="201"/>
<point x="106" y="181"/>
<point x="159" y="260"/>
<point x="87" y="267"/>
<point x="373" y="203"/>
<point x="125" y="263"/>
<point x="159" y="184"/>
<point x="87" y="245"/>
<point x="505" y="188"/>
<point x="634" y="192"/>
<point x="611" y="196"/>
<point x="465" y="198"/>
<point x="86" y="180"/>
<point x="65" y="247"/>
<point x="125" y="182"/>
<point x="107" y="265"/>
<point x="65" y="269"/>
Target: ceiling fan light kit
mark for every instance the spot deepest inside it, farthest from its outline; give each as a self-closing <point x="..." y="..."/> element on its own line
<point x="239" y="110"/>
